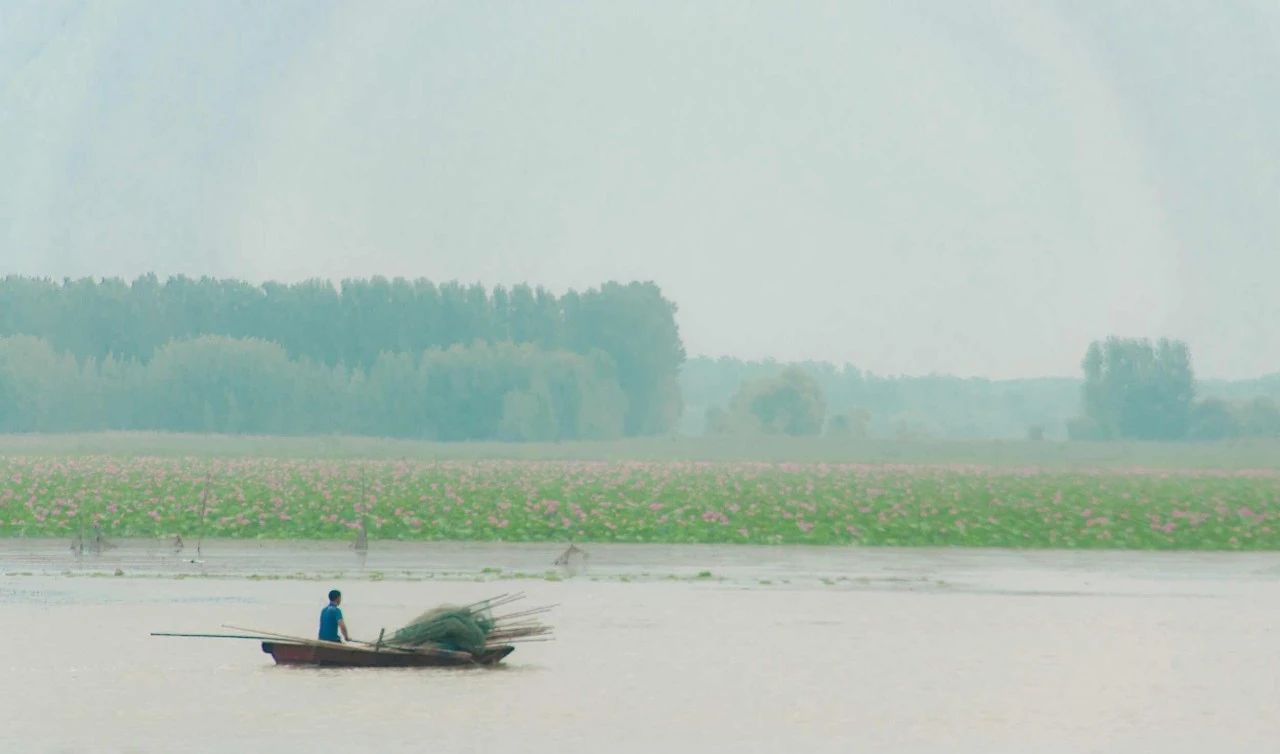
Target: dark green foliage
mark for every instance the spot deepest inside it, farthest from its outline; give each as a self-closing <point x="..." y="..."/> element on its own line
<point x="214" y="384"/>
<point x="32" y="377"/>
<point x="1135" y="389"/>
<point x="377" y="356"/>
<point x="1217" y="419"/>
<point x="636" y="326"/>
<point x="789" y="404"/>
<point x="1213" y="419"/>
<point x="250" y="386"/>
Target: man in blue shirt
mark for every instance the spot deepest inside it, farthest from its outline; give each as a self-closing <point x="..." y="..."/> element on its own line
<point x="331" y="619"/>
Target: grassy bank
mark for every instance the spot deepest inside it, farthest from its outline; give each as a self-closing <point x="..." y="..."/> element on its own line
<point x="1259" y="454"/>
<point x="639" y="501"/>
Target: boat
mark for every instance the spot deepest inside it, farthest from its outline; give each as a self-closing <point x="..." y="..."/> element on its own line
<point x="295" y="650"/>
<point x="432" y="641"/>
<point x="333" y="654"/>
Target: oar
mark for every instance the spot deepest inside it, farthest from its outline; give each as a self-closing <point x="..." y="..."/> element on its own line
<point x="285" y="637"/>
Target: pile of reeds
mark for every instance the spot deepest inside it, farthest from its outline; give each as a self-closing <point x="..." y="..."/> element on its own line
<point x="472" y="628"/>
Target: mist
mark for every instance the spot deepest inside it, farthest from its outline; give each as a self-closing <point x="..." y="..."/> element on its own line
<point x="896" y="376"/>
<point x="913" y="188"/>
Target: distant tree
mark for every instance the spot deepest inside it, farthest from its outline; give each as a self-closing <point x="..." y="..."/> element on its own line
<point x="1218" y="419"/>
<point x="636" y="327"/>
<point x="1213" y="419"/>
<point x="41" y="390"/>
<point x="852" y="423"/>
<point x="1259" y="417"/>
<point x="526" y="416"/>
<point x="1136" y="390"/>
<point x="347" y="329"/>
<point x="791" y="403"/>
<point x="949" y="407"/>
<point x="521" y="392"/>
<point x="215" y="384"/>
<point x="394" y="398"/>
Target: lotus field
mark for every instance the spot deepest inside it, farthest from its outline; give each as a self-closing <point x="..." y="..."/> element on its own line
<point x="640" y="502"/>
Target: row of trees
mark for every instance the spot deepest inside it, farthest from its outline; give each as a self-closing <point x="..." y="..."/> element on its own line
<point x="1133" y="389"/>
<point x="1218" y="419"/>
<point x="863" y="403"/>
<point x="790" y="403"/>
<point x="351" y="326"/>
<point x="1140" y="390"/>
<point x="216" y="384"/>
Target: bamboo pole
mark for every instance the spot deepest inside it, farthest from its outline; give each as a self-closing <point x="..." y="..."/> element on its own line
<point x="524" y="613"/>
<point x="210" y="636"/>
<point x="348" y="645"/>
<point x="492" y="602"/>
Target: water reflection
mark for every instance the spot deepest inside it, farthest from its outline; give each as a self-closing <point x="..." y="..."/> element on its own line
<point x="1015" y="652"/>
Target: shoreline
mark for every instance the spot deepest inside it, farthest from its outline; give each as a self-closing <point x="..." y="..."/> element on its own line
<point x="853" y="569"/>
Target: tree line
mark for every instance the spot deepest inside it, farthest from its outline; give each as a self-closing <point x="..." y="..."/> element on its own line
<point x="353" y="332"/>
<point x="1133" y="389"/>
<point x="1136" y="389"/>
<point x="858" y="402"/>
<point x="214" y="384"/>
<point x="410" y="358"/>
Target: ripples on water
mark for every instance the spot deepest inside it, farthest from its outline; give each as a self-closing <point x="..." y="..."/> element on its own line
<point x="780" y="649"/>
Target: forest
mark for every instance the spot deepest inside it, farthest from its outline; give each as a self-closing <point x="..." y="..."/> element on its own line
<point x="415" y="359"/>
<point x="1132" y="389"/>
<point x="376" y="356"/>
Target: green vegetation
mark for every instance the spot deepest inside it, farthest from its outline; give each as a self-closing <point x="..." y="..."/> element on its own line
<point x="215" y="384"/>
<point x="1239" y="454"/>
<point x="938" y="406"/>
<point x="790" y="403"/>
<point x="389" y="358"/>
<point x="1133" y="390"/>
<point x="1139" y="390"/>
<point x="451" y="362"/>
<point x="831" y="504"/>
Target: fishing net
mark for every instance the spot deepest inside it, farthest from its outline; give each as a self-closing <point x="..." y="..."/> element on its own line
<point x="474" y="627"/>
<point x="447" y="626"/>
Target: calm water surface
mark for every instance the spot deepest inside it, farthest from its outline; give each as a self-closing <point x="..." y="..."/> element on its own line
<point x="781" y="649"/>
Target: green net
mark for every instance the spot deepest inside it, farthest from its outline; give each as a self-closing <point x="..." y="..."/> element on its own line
<point x="447" y="626"/>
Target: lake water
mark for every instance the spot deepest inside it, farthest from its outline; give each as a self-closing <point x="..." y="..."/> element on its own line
<point x="777" y="650"/>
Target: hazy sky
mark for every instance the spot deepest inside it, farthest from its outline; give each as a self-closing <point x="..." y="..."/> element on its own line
<point x="967" y="187"/>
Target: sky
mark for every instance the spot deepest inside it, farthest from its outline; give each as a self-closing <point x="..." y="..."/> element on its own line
<point x="976" y="188"/>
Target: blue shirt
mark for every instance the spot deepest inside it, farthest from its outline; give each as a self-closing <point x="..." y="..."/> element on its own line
<point x="329" y="618"/>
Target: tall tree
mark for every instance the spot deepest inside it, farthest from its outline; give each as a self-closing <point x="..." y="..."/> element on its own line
<point x="1135" y="389"/>
<point x="636" y="326"/>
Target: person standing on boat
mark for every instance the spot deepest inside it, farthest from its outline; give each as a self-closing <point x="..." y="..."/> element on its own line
<point x="331" y="621"/>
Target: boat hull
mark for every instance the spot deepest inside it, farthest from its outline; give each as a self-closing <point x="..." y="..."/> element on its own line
<point x="346" y="656"/>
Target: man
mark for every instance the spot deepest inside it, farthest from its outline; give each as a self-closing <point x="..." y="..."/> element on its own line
<point x="331" y="621"/>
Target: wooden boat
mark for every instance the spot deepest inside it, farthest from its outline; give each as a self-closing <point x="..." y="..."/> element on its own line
<point x="295" y="650"/>
<point x="502" y="631"/>
<point x="332" y="654"/>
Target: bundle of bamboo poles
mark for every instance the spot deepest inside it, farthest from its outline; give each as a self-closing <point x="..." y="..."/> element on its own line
<point x="474" y="627"/>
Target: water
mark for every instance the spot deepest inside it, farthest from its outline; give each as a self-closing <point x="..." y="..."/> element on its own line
<point x="780" y="649"/>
